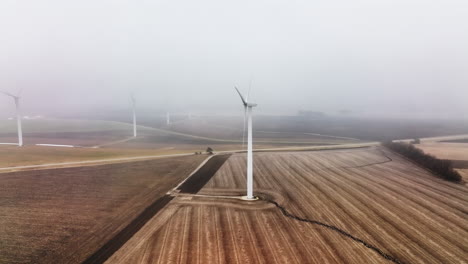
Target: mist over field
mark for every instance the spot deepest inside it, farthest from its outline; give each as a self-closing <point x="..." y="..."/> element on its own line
<point x="371" y="58"/>
<point x="123" y="140"/>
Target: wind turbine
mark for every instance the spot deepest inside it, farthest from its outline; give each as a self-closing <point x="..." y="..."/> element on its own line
<point x="248" y="111"/>
<point x="132" y="97"/>
<point x="18" y="115"/>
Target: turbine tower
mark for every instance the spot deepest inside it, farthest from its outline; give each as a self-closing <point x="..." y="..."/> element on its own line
<point x="18" y="116"/>
<point x="248" y="106"/>
<point x="168" y="118"/>
<point x="132" y="97"/>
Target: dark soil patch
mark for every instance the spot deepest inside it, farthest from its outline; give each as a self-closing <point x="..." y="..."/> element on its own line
<point x="203" y="175"/>
<point x="460" y="164"/>
<point x="123" y="236"/>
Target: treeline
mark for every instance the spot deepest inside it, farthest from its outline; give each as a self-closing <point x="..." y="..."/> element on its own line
<point x="443" y="168"/>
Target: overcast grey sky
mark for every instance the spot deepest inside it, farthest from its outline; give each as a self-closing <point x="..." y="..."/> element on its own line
<point x="370" y="56"/>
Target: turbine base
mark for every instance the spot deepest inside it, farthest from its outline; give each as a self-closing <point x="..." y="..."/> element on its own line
<point x="246" y="198"/>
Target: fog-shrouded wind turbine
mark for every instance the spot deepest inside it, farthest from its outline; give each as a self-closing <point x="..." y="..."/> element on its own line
<point x="18" y="115"/>
<point x="248" y="106"/>
<point x="132" y="97"/>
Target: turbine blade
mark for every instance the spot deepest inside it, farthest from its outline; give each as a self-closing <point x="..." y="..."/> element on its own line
<point x="7" y="93"/>
<point x="242" y="97"/>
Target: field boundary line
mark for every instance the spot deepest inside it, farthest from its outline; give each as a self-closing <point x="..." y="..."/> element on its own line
<point x="309" y="148"/>
<point x="114" y="142"/>
<point x="91" y="162"/>
<point x="191" y="174"/>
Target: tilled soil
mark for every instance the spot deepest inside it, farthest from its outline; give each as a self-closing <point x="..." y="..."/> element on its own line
<point x="67" y="215"/>
<point x="376" y="197"/>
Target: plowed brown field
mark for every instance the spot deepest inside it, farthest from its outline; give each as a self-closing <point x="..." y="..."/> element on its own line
<point x="372" y="194"/>
<point x="66" y="215"/>
<point x="451" y="151"/>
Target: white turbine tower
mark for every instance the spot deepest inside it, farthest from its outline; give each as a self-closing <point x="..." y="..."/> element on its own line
<point x="18" y="116"/>
<point x="248" y="111"/>
<point x="132" y="97"/>
<point x="168" y="118"/>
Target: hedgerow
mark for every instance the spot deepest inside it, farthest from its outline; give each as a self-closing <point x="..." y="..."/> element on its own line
<point x="441" y="167"/>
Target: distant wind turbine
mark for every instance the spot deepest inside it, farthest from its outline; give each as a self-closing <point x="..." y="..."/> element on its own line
<point x="132" y="97"/>
<point x="248" y="111"/>
<point x="18" y="115"/>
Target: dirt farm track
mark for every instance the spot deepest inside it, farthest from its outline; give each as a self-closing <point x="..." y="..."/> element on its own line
<point x="372" y="194"/>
